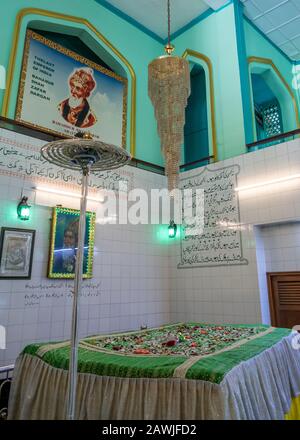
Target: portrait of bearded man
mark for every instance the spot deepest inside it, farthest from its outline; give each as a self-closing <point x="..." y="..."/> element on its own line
<point x="76" y="109"/>
<point x="64" y="260"/>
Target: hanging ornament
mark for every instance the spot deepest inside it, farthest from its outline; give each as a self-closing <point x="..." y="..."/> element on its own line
<point x="169" y="89"/>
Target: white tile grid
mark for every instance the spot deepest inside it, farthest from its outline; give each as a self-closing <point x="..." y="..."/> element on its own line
<point x="238" y="294"/>
<point x="140" y="282"/>
<point x="279" y="251"/>
<point x="129" y="262"/>
<point x="282" y="247"/>
<point x="279" y="20"/>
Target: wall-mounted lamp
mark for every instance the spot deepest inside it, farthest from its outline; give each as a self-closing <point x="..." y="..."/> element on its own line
<point x="23" y="209"/>
<point x="172" y="229"/>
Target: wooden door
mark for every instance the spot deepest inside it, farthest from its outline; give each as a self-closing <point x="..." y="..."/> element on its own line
<point x="284" y="298"/>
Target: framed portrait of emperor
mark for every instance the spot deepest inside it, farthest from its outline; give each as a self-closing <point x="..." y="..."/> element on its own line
<point x="64" y="243"/>
<point x="62" y="93"/>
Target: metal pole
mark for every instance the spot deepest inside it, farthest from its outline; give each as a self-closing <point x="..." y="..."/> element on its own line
<point x="72" y="379"/>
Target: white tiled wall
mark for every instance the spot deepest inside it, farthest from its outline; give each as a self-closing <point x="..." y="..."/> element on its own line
<point x="130" y="276"/>
<point x="136" y="272"/>
<point x="282" y="247"/>
<point x="278" y="250"/>
<point x="232" y="294"/>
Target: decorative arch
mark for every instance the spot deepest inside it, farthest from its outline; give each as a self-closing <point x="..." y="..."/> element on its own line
<point x="84" y="24"/>
<point x="280" y="87"/>
<point x="189" y="53"/>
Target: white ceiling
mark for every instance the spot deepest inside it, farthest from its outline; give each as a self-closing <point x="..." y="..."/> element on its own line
<point x="153" y="13"/>
<point x="279" y="20"/>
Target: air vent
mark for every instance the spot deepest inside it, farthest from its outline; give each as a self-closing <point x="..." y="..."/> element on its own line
<point x="289" y="293"/>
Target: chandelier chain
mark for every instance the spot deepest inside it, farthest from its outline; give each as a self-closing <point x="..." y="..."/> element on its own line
<point x="169" y="23"/>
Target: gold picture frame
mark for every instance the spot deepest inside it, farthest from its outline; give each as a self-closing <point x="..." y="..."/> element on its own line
<point x="64" y="239"/>
<point x="31" y="35"/>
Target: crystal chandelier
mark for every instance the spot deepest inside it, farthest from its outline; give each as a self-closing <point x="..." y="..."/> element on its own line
<point x="169" y="89"/>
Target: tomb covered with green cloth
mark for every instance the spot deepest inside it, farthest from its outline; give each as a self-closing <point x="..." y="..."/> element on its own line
<point x="209" y="350"/>
<point x="192" y="360"/>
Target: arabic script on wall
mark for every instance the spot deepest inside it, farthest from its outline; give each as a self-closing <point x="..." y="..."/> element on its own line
<point x="220" y="243"/>
<point x="20" y="157"/>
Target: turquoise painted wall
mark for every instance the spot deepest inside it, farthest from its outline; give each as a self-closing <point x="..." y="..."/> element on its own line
<point x="215" y="37"/>
<point x="134" y="44"/>
<point x="263" y="97"/>
<point x="196" y="127"/>
<point x="261" y="91"/>
<point x="259" y="46"/>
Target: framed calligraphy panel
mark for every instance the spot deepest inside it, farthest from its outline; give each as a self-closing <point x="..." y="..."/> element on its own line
<point x="220" y="244"/>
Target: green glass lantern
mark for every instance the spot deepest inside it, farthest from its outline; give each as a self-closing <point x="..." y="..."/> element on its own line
<point x="23" y="209"/>
<point x="172" y="229"/>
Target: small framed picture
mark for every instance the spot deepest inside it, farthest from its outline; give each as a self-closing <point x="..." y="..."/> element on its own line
<point x="64" y="243"/>
<point x="16" y="252"/>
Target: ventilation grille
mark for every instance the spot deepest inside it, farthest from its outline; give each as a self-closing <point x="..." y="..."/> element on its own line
<point x="289" y="293"/>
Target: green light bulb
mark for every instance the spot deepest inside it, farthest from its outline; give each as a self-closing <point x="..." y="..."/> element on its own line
<point x="23" y="209"/>
<point x="172" y="229"/>
<point x="25" y="213"/>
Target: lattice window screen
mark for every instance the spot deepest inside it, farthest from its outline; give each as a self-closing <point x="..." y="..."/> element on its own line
<point x="272" y="119"/>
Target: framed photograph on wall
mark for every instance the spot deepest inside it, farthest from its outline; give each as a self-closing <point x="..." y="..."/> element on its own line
<point x="64" y="243"/>
<point x="16" y="252"/>
<point x="63" y="93"/>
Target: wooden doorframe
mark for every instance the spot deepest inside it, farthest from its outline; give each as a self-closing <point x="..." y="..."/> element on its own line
<point x="270" y="275"/>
